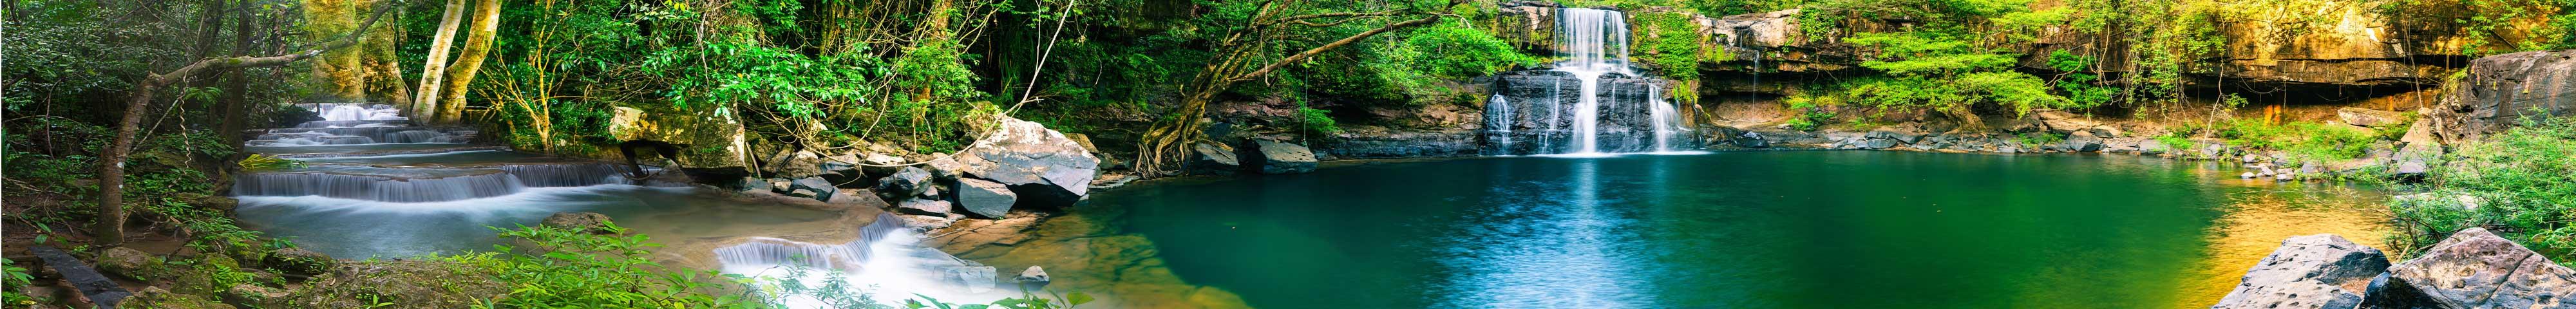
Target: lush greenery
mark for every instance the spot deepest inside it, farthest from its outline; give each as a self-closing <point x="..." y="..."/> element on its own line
<point x="2304" y="141"/>
<point x="564" y="267"/>
<point x="2516" y="185"/>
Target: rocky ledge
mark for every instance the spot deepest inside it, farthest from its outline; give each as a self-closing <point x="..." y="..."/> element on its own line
<point x="2472" y="268"/>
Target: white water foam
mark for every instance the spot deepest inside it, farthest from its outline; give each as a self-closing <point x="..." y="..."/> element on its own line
<point x="886" y="263"/>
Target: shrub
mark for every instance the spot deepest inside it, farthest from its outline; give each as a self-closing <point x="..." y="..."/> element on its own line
<point x="2302" y="140"/>
<point x="2520" y="182"/>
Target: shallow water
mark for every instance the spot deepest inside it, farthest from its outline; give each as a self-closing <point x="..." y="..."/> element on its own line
<point x="1773" y="229"/>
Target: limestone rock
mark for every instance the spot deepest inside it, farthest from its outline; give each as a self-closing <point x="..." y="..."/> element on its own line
<point x="905" y="182"/>
<point x="923" y="206"/>
<point x="1033" y="275"/>
<point x="2313" y="271"/>
<point x="924" y="223"/>
<point x="1212" y="159"/>
<point x="715" y="138"/>
<point x="1277" y="157"/>
<point x="585" y="222"/>
<point x="1043" y="166"/>
<point x="2501" y="90"/>
<point x="2081" y="141"/>
<point x="813" y="187"/>
<point x="2369" y="117"/>
<point x="2476" y="269"/>
<point x="985" y="198"/>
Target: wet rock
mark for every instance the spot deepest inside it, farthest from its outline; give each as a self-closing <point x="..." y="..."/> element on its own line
<point x="2313" y="271"/>
<point x="2476" y="269"/>
<point x="2369" y="117"/>
<point x="1878" y="143"/>
<point x="2081" y="141"/>
<point x="924" y="223"/>
<point x="1277" y="157"/>
<point x="985" y="198"/>
<point x="2500" y="91"/>
<point x="755" y="185"/>
<point x="1359" y="144"/>
<point x="134" y="264"/>
<point x="1212" y="159"/>
<point x="585" y="222"/>
<point x="1904" y="135"/>
<point x="300" y="262"/>
<point x="253" y="296"/>
<point x="905" y="182"/>
<point x="1042" y="166"/>
<point x="812" y="187"/>
<point x="923" y="206"/>
<point x="1033" y="275"/>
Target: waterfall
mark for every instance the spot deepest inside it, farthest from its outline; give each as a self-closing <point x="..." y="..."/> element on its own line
<point x="1662" y="116"/>
<point x="384" y="188"/>
<point x="1589" y="36"/>
<point x="885" y="256"/>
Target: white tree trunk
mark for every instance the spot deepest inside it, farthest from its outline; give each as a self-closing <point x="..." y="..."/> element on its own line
<point x="434" y="69"/>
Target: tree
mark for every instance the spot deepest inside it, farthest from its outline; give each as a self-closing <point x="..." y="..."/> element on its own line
<point x="487" y="19"/>
<point x="110" y="227"/>
<point x="1240" y="57"/>
<point x="434" y="68"/>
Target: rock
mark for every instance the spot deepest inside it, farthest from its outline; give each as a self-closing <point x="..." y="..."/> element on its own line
<point x="923" y="206"/>
<point x="2421" y="132"/>
<point x="585" y="222"/>
<point x="2107" y="132"/>
<point x="134" y="264"/>
<point x="985" y="198"/>
<point x="813" y="187"/>
<point x="2081" y="141"/>
<point x="2247" y="175"/>
<point x="2500" y="91"/>
<point x="1033" y="275"/>
<point x="1358" y="144"/>
<point x="402" y="283"/>
<point x="300" y="262"/>
<point x="2411" y="167"/>
<point x="925" y="223"/>
<point x="2313" y="271"/>
<point x="714" y="137"/>
<point x="2476" y="269"/>
<point x="2154" y="147"/>
<point x="905" y="182"/>
<point x="1211" y="159"/>
<point x="1045" y="168"/>
<point x="1276" y="157"/>
<point x="157" y="298"/>
<point x="2064" y="122"/>
<point x="755" y="185"/>
<point x="1878" y="143"/>
<point x="253" y="296"/>
<point x="219" y="203"/>
<point x="1905" y="135"/>
<point x="2369" y="117"/>
<point x="854" y="197"/>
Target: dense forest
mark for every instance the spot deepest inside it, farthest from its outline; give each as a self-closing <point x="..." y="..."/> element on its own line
<point x="140" y="106"/>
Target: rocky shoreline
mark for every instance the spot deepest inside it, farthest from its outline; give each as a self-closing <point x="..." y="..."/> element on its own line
<point x="2472" y="268"/>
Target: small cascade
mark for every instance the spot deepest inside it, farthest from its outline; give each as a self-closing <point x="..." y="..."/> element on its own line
<point x="568" y="175"/>
<point x="1614" y="109"/>
<point x="383" y="188"/>
<point x="885" y="255"/>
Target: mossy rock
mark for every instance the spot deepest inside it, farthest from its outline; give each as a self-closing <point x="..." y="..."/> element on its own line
<point x="297" y="261"/>
<point x="157" y="298"/>
<point x="402" y="284"/>
<point x="255" y="296"/>
<point x="133" y="264"/>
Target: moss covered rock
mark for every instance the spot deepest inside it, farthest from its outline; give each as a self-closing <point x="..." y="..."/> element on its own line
<point x="133" y="264"/>
<point x="157" y="298"/>
<point x="397" y="284"/>
<point x="297" y="261"/>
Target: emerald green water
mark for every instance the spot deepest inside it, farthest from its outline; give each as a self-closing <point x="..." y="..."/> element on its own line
<point x="1774" y="229"/>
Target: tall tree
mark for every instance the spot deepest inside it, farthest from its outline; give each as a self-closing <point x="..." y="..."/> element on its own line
<point x="487" y="19"/>
<point x="110" y="228"/>
<point x="434" y="69"/>
<point x="1241" y="57"/>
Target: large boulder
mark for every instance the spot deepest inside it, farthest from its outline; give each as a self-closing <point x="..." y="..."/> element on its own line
<point x="714" y="139"/>
<point x="923" y="206"/>
<point x="1277" y="157"/>
<point x="2064" y="122"/>
<point x="2475" y="269"/>
<point x="985" y="198"/>
<point x="1044" y="167"/>
<point x="812" y="187"/>
<point x="1212" y="159"/>
<point x="905" y="182"/>
<point x="134" y="264"/>
<point x="300" y="262"/>
<point x="2500" y="91"/>
<point x="2314" y="271"/>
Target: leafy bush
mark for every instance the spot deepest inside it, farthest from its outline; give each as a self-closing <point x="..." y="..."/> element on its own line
<point x="1810" y="112"/>
<point x="565" y="268"/>
<point x="263" y="162"/>
<point x="2520" y="183"/>
<point x="1316" y="122"/>
<point x="13" y="285"/>
<point x="2039" y="139"/>
<point x="2302" y="140"/>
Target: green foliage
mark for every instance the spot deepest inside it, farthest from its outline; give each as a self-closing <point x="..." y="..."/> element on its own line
<point x="2036" y="140"/>
<point x="567" y="268"/>
<point x="2521" y="183"/>
<point x="13" y="285"/>
<point x="262" y="162"/>
<point x="2302" y="140"/>
<point x="1811" y="111"/>
<point x="1316" y="122"/>
<point x="2177" y="143"/>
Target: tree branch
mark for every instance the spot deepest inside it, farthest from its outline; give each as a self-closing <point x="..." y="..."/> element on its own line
<point x="1310" y="53"/>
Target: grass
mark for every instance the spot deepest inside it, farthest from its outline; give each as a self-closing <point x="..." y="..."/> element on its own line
<point x="2302" y="140"/>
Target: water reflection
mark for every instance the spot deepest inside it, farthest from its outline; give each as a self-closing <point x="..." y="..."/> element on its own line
<point x="1543" y="245"/>
<point x="2257" y="221"/>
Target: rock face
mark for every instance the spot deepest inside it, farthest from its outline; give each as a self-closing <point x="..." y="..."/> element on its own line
<point x="1277" y="157"/>
<point x="586" y="222"/>
<point x="2368" y="117"/>
<point x="1044" y="167"/>
<point x="1536" y="113"/>
<point x="2476" y="269"/>
<point x="2314" y="271"/>
<point x="1357" y="144"/>
<point x="1212" y="159"/>
<point x="985" y="198"/>
<point x="2500" y="90"/>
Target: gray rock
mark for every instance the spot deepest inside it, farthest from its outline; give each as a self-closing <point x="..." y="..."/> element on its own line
<point x="2107" y="132"/>
<point x="2500" y="91"/>
<point x="813" y="187"/>
<point x="1044" y="167"/>
<point x="944" y="167"/>
<point x="1033" y="275"/>
<point x="1906" y="135"/>
<point x="2313" y="271"/>
<point x="2154" y="147"/>
<point x="923" y="223"/>
<point x="1276" y="157"/>
<point x="922" y="206"/>
<point x="300" y="262"/>
<point x="750" y="185"/>
<point x="904" y="182"/>
<point x="2064" y="122"/>
<point x="1212" y="159"/>
<point x="2476" y="269"/>
<point x="2369" y="117"/>
<point x="585" y="222"/>
<point x="127" y="262"/>
<point x="2411" y="167"/>
<point x="1878" y="143"/>
<point x="985" y="198"/>
<point x="2081" y="141"/>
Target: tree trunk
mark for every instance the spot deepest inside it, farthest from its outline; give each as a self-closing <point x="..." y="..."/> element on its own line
<point x="434" y="69"/>
<point x="487" y="18"/>
<point x="110" y="227"/>
<point x="1166" y="144"/>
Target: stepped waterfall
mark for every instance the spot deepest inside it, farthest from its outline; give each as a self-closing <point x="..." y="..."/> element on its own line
<point x="1614" y="109"/>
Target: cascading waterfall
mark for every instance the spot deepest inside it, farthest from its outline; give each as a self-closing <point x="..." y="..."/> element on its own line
<point x="1589" y="37"/>
<point x="1662" y="115"/>
<point x="886" y="256"/>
